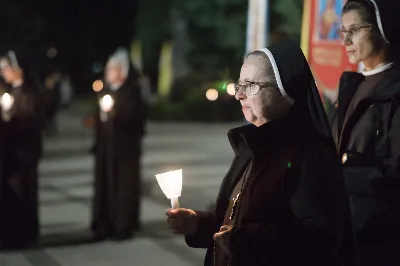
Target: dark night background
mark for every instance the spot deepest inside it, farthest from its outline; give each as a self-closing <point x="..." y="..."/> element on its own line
<point x="83" y="32"/>
<point x="209" y="35"/>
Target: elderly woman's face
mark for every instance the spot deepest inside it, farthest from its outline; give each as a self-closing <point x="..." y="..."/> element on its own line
<point x="358" y="38"/>
<point x="7" y="72"/>
<point x="268" y="103"/>
<point x="113" y="72"/>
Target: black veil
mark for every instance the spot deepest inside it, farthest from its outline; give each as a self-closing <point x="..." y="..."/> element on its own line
<point x="297" y="85"/>
<point x="388" y="19"/>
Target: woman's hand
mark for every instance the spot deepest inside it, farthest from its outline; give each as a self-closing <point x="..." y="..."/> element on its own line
<point x="182" y="221"/>
<point x="223" y="238"/>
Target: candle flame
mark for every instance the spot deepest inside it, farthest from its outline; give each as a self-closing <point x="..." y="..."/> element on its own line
<point x="106" y="102"/>
<point x="7" y="101"/>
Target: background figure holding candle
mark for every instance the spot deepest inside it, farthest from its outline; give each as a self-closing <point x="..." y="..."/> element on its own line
<point x="22" y="151"/>
<point x="366" y="127"/>
<point x="120" y="122"/>
<point x="283" y="201"/>
<point x="3" y="89"/>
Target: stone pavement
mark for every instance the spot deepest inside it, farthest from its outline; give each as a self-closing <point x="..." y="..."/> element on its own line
<point x="202" y="151"/>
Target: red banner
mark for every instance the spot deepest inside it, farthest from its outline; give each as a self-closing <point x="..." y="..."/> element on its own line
<point x="326" y="55"/>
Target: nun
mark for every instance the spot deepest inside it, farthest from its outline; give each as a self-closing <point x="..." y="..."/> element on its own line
<point x="3" y="89"/>
<point x="283" y="200"/>
<point x="366" y="127"/>
<point x="22" y="121"/>
<point x="119" y="128"/>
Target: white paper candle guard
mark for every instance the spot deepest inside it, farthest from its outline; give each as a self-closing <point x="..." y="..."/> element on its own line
<point x="171" y="185"/>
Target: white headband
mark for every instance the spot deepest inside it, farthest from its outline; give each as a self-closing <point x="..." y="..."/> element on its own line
<point x="379" y="20"/>
<point x="13" y="60"/>
<point x="277" y="75"/>
<point x="4" y="63"/>
<point x="121" y="57"/>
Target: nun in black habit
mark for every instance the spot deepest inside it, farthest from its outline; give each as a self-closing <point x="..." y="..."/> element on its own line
<point x="22" y="121"/>
<point x="3" y="89"/>
<point x="119" y="128"/>
<point x="283" y="201"/>
<point x="366" y="127"/>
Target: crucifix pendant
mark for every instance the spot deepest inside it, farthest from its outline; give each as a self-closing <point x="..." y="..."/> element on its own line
<point x="234" y="207"/>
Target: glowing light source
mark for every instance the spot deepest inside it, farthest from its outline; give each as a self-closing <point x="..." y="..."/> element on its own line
<point x="224" y="85"/>
<point x="230" y="89"/>
<point x="106" y="103"/>
<point x="7" y="101"/>
<point x="97" y="85"/>
<point x="171" y="185"/>
<point x="212" y="94"/>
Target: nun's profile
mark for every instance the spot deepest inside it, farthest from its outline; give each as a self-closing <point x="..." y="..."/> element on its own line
<point x="283" y="201"/>
<point x="22" y="123"/>
<point x="366" y="127"/>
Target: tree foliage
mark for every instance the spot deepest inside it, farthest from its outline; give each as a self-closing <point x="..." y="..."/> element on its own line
<point x="216" y="31"/>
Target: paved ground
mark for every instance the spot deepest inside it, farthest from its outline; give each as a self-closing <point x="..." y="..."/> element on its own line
<point x="202" y="151"/>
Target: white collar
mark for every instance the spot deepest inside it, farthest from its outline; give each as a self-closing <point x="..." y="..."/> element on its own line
<point x="380" y="68"/>
<point x="115" y="87"/>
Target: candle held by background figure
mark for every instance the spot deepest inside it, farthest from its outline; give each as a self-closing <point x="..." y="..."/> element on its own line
<point x="171" y="185"/>
<point x="106" y="103"/>
<point x="7" y="102"/>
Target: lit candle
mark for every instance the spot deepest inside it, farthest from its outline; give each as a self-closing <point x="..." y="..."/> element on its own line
<point x="171" y="185"/>
<point x="106" y="103"/>
<point x="7" y="101"/>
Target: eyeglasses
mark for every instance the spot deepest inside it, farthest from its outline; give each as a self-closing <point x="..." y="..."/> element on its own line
<point x="353" y="31"/>
<point x="253" y="88"/>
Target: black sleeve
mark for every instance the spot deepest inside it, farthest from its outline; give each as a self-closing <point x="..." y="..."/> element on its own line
<point x="129" y="111"/>
<point x="203" y="237"/>
<point x="29" y="109"/>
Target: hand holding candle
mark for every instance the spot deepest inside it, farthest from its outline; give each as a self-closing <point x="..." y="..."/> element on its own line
<point x="182" y="221"/>
<point x="106" y="103"/>
<point x="7" y="102"/>
<point x="171" y="185"/>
